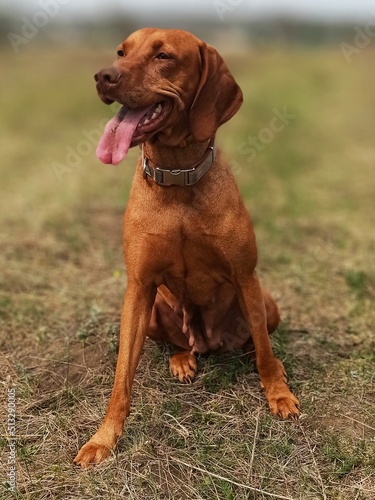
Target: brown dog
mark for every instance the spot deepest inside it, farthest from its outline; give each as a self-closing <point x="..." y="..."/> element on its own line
<point x="188" y="240"/>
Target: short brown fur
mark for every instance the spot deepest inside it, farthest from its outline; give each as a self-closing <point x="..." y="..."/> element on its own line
<point x="190" y="251"/>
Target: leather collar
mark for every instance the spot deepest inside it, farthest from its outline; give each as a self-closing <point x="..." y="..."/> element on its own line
<point x="180" y="177"/>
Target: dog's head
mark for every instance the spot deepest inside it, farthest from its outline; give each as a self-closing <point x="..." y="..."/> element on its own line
<point x="171" y="85"/>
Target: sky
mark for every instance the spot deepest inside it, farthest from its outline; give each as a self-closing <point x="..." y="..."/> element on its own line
<point x="214" y="9"/>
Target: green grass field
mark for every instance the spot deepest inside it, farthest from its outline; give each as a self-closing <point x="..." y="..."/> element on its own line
<point x="310" y="190"/>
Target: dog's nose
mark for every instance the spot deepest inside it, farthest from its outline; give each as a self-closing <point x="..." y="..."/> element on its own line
<point x="108" y="76"/>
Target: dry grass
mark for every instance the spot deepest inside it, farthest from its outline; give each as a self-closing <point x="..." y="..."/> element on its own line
<point x="310" y="192"/>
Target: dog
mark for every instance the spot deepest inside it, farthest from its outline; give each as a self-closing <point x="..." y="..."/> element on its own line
<point x="189" y="243"/>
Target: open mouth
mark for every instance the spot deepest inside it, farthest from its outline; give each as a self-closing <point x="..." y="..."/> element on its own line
<point x="127" y="129"/>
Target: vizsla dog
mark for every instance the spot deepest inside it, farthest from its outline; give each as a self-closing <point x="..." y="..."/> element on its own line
<point x="189" y="243"/>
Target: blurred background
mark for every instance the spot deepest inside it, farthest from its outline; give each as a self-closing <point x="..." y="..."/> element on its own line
<point x="302" y="150"/>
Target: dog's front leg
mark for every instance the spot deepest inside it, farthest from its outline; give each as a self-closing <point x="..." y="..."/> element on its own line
<point x="135" y="320"/>
<point x="281" y="400"/>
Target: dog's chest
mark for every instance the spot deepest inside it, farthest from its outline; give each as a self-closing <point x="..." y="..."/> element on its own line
<point x="192" y="287"/>
<point x="197" y="271"/>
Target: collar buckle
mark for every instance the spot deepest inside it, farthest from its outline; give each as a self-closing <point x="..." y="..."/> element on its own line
<point x="179" y="177"/>
<point x="175" y="177"/>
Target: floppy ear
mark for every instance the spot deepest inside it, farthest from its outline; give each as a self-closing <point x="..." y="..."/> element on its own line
<point x="218" y="97"/>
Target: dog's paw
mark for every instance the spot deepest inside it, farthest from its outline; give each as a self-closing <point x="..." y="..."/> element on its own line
<point x="183" y="365"/>
<point x="281" y="400"/>
<point x="92" y="453"/>
<point x="285" y="405"/>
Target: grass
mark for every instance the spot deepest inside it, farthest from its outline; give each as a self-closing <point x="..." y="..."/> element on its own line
<point x="310" y="193"/>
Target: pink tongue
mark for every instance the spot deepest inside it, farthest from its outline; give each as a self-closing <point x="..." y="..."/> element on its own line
<point x="117" y="136"/>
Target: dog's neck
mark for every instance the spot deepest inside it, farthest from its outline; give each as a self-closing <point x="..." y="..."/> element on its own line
<point x="182" y="165"/>
<point x="186" y="155"/>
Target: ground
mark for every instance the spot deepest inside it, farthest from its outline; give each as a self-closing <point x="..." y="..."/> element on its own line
<point x="308" y="181"/>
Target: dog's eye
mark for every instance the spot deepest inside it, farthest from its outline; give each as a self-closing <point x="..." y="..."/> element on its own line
<point x="120" y="53"/>
<point x="162" y="55"/>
